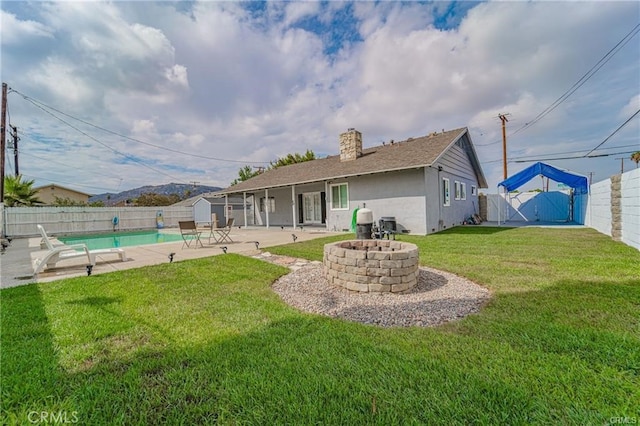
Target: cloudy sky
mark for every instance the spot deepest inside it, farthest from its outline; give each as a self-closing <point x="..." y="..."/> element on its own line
<point x="113" y="96"/>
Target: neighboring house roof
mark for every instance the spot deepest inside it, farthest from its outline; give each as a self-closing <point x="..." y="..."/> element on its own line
<point x="414" y="152"/>
<point x="189" y="201"/>
<point x="213" y="198"/>
<point x="55" y="185"/>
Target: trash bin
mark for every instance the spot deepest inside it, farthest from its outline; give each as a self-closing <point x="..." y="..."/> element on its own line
<point x="364" y="224"/>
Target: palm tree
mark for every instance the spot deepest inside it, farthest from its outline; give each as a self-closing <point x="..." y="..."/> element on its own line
<point x="635" y="157"/>
<point x="19" y="193"/>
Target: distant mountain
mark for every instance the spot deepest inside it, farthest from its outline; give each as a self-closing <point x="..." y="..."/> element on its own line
<point x="181" y="189"/>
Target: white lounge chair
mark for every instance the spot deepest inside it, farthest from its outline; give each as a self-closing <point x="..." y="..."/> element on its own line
<point x="58" y="252"/>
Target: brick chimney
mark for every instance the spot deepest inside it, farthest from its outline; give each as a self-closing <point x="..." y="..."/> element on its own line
<point x="350" y="145"/>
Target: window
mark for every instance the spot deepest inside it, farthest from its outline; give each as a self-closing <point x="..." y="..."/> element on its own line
<point x="463" y="191"/>
<point x="339" y="197"/>
<point x="456" y="186"/>
<point x="271" y="204"/>
<point x="446" y="200"/>
<point x="474" y="190"/>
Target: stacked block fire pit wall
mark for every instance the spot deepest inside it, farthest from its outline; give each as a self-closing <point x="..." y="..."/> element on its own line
<point x="371" y="265"/>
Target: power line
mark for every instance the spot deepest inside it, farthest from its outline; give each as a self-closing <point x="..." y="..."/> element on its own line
<point x="614" y="132"/>
<point x="42" y="105"/>
<point x="74" y="166"/>
<point x="68" y="183"/>
<point x="615" y="49"/>
<point x="575" y="152"/>
<point x="105" y="145"/>
<point x="573" y="157"/>
<point x="592" y="71"/>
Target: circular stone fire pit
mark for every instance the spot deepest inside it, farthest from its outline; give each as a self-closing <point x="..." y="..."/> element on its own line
<point x="371" y="265"/>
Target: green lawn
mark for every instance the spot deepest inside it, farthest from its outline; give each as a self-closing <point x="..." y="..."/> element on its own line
<point x="204" y="341"/>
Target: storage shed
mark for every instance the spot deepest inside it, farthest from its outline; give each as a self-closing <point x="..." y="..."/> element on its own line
<point x="205" y="207"/>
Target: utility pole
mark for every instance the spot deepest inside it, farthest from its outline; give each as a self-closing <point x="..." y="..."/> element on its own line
<point x="503" y="118"/>
<point x="621" y="164"/>
<point x="3" y="122"/>
<point x="15" y="148"/>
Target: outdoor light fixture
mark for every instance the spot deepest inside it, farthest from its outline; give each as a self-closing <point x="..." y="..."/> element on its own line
<point x="89" y="268"/>
<point x="224" y="249"/>
<point x="294" y="237"/>
<point x="257" y="245"/>
<point x="171" y="257"/>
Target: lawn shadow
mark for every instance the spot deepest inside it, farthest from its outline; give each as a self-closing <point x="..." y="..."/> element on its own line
<point x="31" y="378"/>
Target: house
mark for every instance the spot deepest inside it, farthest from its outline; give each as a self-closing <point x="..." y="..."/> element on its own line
<point x="49" y="193"/>
<point x="222" y="207"/>
<point x="427" y="184"/>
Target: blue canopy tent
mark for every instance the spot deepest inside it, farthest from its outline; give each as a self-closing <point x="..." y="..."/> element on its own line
<point x="579" y="183"/>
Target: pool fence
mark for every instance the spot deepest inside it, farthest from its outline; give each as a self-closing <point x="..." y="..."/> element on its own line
<point x="21" y="221"/>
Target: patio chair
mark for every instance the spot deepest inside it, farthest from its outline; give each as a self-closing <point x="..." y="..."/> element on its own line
<point x="59" y="251"/>
<point x="190" y="233"/>
<point x="221" y="235"/>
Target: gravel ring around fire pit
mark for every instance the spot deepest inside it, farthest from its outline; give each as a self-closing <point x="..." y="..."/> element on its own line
<point x="438" y="297"/>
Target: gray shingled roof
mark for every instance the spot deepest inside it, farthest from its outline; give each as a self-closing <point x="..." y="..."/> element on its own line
<point x="414" y="152"/>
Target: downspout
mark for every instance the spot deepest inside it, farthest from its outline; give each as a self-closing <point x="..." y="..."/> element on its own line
<point x="440" y="198"/>
<point x="426" y="202"/>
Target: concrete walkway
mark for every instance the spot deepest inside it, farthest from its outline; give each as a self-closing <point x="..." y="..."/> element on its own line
<point x="16" y="263"/>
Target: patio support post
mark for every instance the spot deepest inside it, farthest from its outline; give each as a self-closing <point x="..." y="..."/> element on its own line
<point x="293" y="206"/>
<point x="266" y="205"/>
<point x="326" y="201"/>
<point x="226" y="207"/>
<point x="244" y="208"/>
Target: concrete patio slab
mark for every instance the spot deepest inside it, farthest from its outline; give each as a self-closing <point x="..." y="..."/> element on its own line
<point x="16" y="263"/>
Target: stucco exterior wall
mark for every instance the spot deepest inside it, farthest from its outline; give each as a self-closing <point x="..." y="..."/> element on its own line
<point x="398" y="194"/>
<point x="455" y="166"/>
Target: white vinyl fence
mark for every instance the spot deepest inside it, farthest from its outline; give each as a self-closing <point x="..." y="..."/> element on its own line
<point x="612" y="207"/>
<point x="22" y="221"/>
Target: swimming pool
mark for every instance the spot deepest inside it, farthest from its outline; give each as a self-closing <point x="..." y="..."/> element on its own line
<point x="121" y="239"/>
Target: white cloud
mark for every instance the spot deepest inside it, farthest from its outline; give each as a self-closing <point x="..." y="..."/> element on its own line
<point x="221" y="81"/>
<point x="296" y="11"/>
<point x="630" y="108"/>
<point x="16" y="31"/>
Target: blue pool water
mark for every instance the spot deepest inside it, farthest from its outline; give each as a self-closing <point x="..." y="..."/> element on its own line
<point x="121" y="239"/>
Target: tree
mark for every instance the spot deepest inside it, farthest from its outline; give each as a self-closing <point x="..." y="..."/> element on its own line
<point x="635" y="157"/>
<point x="66" y="202"/>
<point x="19" y="193"/>
<point x="152" y="199"/>
<point x="247" y="172"/>
<point x="292" y="159"/>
